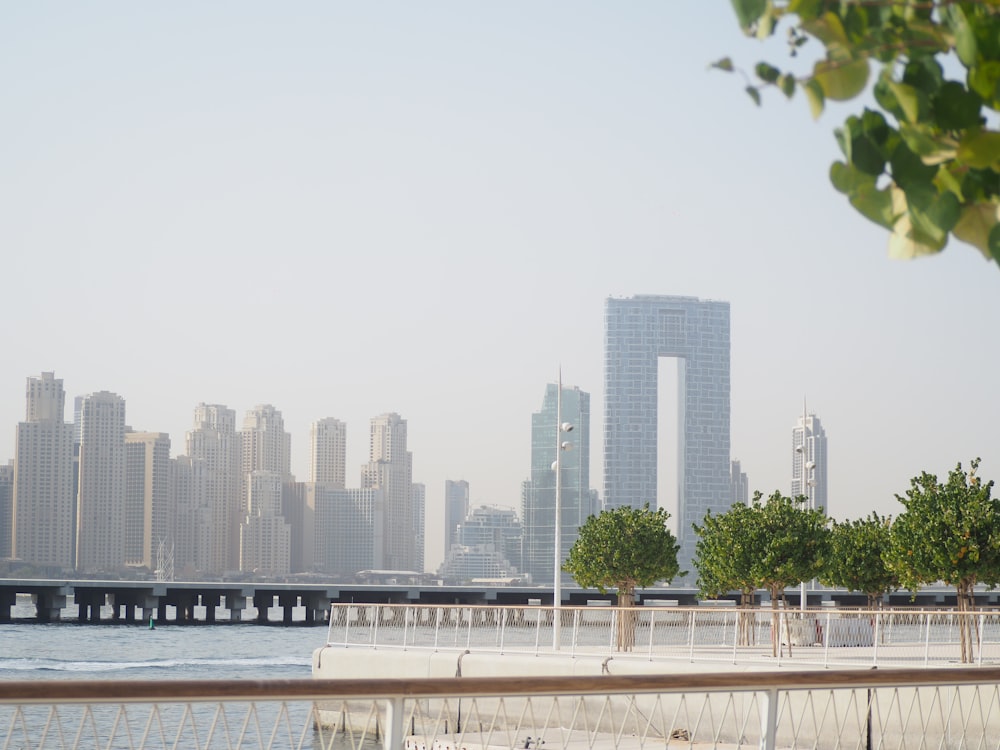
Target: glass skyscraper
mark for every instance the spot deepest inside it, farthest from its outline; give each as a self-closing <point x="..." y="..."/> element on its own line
<point x="538" y="494"/>
<point x="638" y="332"/>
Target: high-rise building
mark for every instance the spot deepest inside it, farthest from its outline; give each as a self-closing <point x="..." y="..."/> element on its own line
<point x="44" y="506"/>
<point x="456" y="508"/>
<point x="148" y="514"/>
<point x="488" y="545"/>
<point x="739" y="485"/>
<point x="267" y="449"/>
<point x="100" y="504"/>
<point x="538" y="495"/>
<point x="266" y="445"/>
<point x="809" y="467"/>
<point x="418" y="503"/>
<point x="390" y="469"/>
<point x="348" y="529"/>
<point x="214" y="447"/>
<point x="638" y="332"/>
<point x="328" y="452"/>
<point x="6" y="510"/>
<point x="265" y="537"/>
<point x="193" y="524"/>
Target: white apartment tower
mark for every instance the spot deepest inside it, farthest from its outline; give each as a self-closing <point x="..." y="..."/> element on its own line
<point x="43" y="513"/>
<point x="328" y="452"/>
<point x="148" y="512"/>
<point x="266" y="445"/>
<point x="265" y="537"/>
<point x="809" y="466"/>
<point x="390" y="469"/>
<point x="100" y="503"/>
<point x="214" y="449"/>
<point x="266" y="448"/>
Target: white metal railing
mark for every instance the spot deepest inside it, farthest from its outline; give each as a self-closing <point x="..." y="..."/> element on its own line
<point x="817" y="637"/>
<point x="818" y="709"/>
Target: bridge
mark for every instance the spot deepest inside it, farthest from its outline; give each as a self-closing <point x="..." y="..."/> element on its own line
<point x="227" y="601"/>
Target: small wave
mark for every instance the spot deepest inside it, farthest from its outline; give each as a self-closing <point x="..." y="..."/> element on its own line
<point x="53" y="665"/>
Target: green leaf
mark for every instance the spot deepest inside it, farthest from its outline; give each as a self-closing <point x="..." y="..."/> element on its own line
<point x="976" y="226"/>
<point x="749" y="11"/>
<point x="861" y="190"/>
<point x="954" y="107"/>
<point x="908" y="99"/>
<point x="767" y="73"/>
<point x="965" y="38"/>
<point x="815" y="97"/>
<point x="725" y="64"/>
<point x="908" y="169"/>
<point x="931" y="149"/>
<point x="980" y="149"/>
<point x="787" y="85"/>
<point x="932" y="214"/>
<point x="994" y="243"/>
<point x="754" y="94"/>
<point x="828" y="29"/>
<point x="841" y="81"/>
<point x="984" y="79"/>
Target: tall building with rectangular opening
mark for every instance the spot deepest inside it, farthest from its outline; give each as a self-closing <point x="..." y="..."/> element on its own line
<point x="639" y="331"/>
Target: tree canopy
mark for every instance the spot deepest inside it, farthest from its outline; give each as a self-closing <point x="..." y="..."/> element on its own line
<point x="856" y="558"/>
<point x="624" y="548"/>
<point x="949" y="532"/>
<point x="769" y="544"/>
<point x="923" y="160"/>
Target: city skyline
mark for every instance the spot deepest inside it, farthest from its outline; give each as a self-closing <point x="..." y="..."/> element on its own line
<point x="346" y="210"/>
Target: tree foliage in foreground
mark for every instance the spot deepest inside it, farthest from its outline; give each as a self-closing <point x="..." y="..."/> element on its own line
<point x="855" y="560"/>
<point x="624" y="548"/>
<point x="769" y="544"/>
<point x="949" y="532"/>
<point x="924" y="160"/>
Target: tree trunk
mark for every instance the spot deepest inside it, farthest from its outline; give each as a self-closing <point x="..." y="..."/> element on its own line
<point x="747" y="626"/>
<point x="627" y="618"/>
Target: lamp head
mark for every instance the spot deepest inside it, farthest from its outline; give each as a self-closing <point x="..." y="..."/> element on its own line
<point x="566" y="427"/>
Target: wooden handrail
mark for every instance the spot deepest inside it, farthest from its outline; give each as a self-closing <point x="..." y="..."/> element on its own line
<point x="183" y="691"/>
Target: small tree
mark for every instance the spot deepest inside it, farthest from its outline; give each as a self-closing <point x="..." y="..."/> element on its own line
<point x="856" y="559"/>
<point x="624" y="548"/>
<point x="949" y="532"/>
<point x="770" y="544"/>
<point x="726" y="559"/>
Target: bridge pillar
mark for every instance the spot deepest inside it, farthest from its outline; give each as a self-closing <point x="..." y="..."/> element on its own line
<point x="7" y="599"/>
<point x="150" y="603"/>
<point x="317" y="607"/>
<point x="210" y="602"/>
<point x="262" y="602"/>
<point x="287" y="603"/>
<point x="48" y="606"/>
<point x="235" y="603"/>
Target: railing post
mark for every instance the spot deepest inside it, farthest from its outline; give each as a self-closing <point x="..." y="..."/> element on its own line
<point x="826" y="642"/>
<point x="979" y="658"/>
<point x="927" y="639"/>
<point x="437" y="627"/>
<point x="468" y="636"/>
<point x="377" y="616"/>
<point x="576" y="630"/>
<point x="393" y="737"/>
<point x="736" y="634"/>
<point x="406" y="624"/>
<point x="768" y="719"/>
<point x="652" y="629"/>
<point x="503" y="625"/>
<point x="538" y="628"/>
<point x="691" y="636"/>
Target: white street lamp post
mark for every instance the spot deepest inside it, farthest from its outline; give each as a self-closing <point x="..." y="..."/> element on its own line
<point x="807" y="467"/>
<point x="561" y="446"/>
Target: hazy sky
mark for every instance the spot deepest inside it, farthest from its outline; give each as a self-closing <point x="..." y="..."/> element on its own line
<point x="344" y="209"/>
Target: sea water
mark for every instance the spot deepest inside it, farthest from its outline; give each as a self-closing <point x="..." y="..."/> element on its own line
<point x="83" y="651"/>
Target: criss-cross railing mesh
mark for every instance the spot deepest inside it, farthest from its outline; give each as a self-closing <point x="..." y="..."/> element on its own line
<point x="877" y="709"/>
